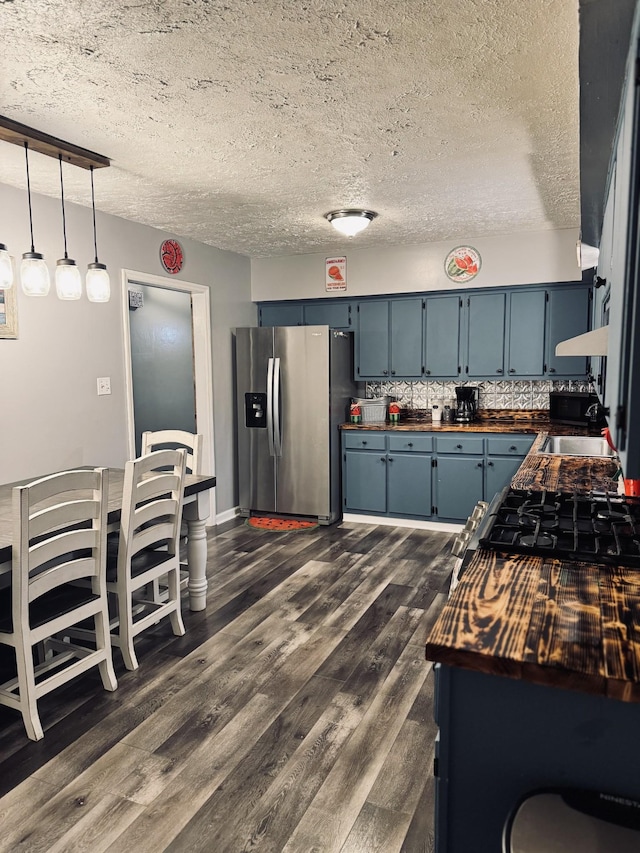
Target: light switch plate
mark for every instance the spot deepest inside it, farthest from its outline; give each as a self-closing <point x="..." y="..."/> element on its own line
<point x="104" y="385"/>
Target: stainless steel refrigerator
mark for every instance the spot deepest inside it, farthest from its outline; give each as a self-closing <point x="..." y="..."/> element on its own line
<point x="293" y="388"/>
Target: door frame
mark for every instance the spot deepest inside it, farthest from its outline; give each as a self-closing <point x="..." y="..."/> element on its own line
<point x="202" y="367"/>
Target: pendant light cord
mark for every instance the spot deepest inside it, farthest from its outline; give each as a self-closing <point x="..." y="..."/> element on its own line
<point x="26" y="154"/>
<point x="64" y="221"/>
<point x="93" y="207"/>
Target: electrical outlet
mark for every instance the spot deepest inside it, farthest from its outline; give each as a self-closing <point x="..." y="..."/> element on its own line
<point x="104" y="385"/>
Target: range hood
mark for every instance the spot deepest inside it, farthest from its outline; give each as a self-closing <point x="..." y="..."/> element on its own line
<point x="595" y="342"/>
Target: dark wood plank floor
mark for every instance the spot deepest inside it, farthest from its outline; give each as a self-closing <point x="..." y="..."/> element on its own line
<point x="294" y="715"/>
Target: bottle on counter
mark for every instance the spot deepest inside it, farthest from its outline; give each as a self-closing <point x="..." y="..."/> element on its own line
<point x="355" y="413"/>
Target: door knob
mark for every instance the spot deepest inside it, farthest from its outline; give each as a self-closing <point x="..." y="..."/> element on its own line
<point x="410" y="444"/>
<point x="458" y="447"/>
<point x="385" y="372"/>
<point x="479" y="465"/>
<point x="393" y="373"/>
<point x="499" y="370"/>
<point x="383" y="458"/>
<point x="512" y="370"/>
<point x="490" y="464"/>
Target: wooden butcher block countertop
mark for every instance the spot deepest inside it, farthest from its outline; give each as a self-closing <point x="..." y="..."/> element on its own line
<point x="556" y="622"/>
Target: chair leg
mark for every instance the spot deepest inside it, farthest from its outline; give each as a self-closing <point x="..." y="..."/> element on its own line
<point x="27" y="690"/>
<point x="125" y="630"/>
<point x="177" y="624"/>
<point x="103" y="641"/>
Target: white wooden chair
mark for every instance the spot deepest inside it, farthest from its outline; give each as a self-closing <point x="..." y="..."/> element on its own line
<point x="59" y="539"/>
<point x="148" y="548"/>
<point x="175" y="438"/>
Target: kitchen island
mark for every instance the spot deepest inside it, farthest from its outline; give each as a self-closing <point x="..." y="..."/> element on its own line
<point x="539" y="678"/>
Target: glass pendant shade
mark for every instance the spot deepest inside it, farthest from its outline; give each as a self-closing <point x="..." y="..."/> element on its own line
<point x="6" y="268"/>
<point x="34" y="275"/>
<point x="350" y="222"/>
<point x="68" y="279"/>
<point x="98" y="283"/>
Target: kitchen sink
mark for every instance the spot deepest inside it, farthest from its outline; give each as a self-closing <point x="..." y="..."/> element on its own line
<point x="576" y="445"/>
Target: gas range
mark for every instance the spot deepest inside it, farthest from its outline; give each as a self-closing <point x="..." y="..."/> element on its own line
<point x="596" y="527"/>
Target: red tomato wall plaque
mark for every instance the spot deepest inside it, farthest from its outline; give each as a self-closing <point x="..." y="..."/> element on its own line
<point x="172" y="256"/>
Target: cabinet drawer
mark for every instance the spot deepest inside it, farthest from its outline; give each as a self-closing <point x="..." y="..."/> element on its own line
<point x="365" y="440"/>
<point x="460" y="444"/>
<point x="411" y="442"/>
<point x="509" y="445"/>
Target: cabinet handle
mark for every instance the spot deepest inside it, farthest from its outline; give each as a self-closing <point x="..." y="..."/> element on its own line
<point x="363" y="443"/>
<point x="390" y="459"/>
<point x="479" y="465"/>
<point x="458" y="447"/>
<point x="512" y="370"/>
<point x="552" y="370"/>
<point x="385" y="372"/>
<point x="393" y="373"/>
<point x="410" y="444"/>
<point x="499" y="370"/>
<point x="428" y="372"/>
<point x="513" y="447"/>
<point x="490" y="464"/>
<point x="383" y="458"/>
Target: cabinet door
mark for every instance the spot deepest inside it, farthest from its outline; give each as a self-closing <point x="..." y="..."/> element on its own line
<point x="499" y="472"/>
<point x="281" y="314"/>
<point x="442" y="336"/>
<point x="485" y="334"/>
<point x="526" y="333"/>
<point x="409" y="484"/>
<point x="459" y="486"/>
<point x="373" y="339"/>
<point x="336" y="315"/>
<point x="568" y="316"/>
<point x="365" y="481"/>
<point x="406" y="338"/>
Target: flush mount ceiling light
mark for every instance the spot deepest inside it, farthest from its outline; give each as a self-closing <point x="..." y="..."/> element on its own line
<point x="68" y="280"/>
<point x="350" y="221"/>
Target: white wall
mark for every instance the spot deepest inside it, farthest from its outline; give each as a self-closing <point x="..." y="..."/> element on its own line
<point x="524" y="258"/>
<point x="50" y="415"/>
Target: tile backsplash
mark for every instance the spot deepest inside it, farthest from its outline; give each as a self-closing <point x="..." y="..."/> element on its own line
<point x="502" y="394"/>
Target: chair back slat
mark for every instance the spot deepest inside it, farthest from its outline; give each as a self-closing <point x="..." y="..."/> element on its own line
<point x="151" y="535"/>
<point x="70" y="570"/>
<point x="65" y="481"/>
<point x="61" y="545"/>
<point x="158" y="483"/>
<point x="61" y="515"/>
<point x="176" y="438"/>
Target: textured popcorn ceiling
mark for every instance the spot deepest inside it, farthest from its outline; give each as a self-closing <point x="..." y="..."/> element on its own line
<point x="241" y="123"/>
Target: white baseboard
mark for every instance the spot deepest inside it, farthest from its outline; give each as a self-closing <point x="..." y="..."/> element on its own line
<point x="227" y="515"/>
<point x="441" y="526"/>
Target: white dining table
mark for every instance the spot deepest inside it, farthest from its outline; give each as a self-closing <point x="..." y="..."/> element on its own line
<point x="196" y="511"/>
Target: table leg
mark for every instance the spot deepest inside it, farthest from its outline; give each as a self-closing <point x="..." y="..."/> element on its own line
<point x="196" y="514"/>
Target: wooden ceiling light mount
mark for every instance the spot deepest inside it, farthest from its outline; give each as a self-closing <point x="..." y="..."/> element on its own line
<point x="18" y="134"/>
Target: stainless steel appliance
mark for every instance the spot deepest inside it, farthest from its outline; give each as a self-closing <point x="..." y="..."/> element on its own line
<point x="466" y="403"/>
<point x="293" y="388"/>
<point x="572" y="407"/>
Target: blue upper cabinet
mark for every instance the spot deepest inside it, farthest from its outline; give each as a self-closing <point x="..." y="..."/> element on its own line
<point x="442" y="336"/>
<point x="281" y="314"/>
<point x="486" y="314"/>
<point x="335" y="314"/>
<point x="526" y="333"/>
<point x="405" y="318"/>
<point x="372" y="354"/>
<point x="568" y="312"/>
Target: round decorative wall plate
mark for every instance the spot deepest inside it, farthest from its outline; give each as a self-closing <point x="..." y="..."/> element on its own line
<point x="462" y="263"/>
<point x="172" y="256"/>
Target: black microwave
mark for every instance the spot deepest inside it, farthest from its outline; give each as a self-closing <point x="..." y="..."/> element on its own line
<point x="570" y="407"/>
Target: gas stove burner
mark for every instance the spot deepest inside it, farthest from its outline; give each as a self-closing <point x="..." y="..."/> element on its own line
<point x="611" y="515"/>
<point x="537" y="540"/>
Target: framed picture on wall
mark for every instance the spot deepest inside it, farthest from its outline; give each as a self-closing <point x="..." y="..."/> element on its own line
<point x="8" y="313"/>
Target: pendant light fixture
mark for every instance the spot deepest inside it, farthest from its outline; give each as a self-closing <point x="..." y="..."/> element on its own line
<point x="350" y="221"/>
<point x="34" y="274"/>
<point x="98" y="283"/>
<point x="6" y="268"/>
<point x="68" y="279"/>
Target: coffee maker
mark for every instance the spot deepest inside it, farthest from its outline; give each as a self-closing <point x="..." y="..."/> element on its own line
<point x="466" y="404"/>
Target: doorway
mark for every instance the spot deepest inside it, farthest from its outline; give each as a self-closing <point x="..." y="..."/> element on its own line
<point x="167" y="344"/>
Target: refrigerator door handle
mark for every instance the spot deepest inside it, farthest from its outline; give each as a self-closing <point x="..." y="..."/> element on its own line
<point x="270" y="407"/>
<point x="277" y="432"/>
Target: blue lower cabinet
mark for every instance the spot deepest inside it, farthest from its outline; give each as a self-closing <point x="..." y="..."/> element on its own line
<point x="499" y="472"/>
<point x="460" y="485"/>
<point x="409" y="485"/>
<point x="365" y="481"/>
